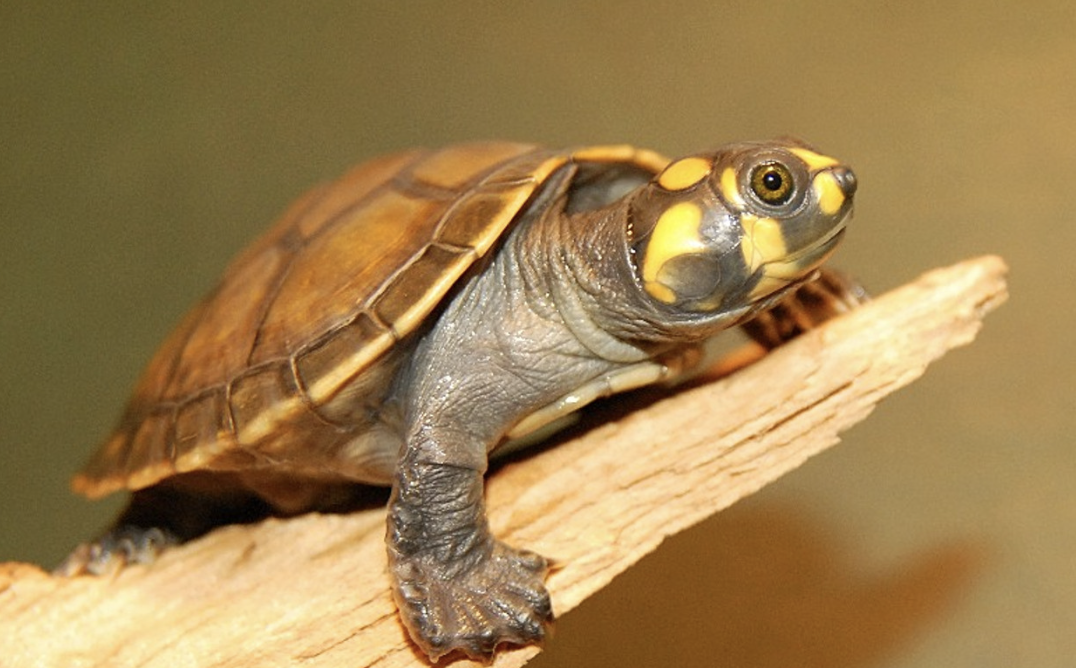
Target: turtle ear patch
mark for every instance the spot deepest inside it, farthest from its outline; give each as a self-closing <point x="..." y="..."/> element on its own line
<point x="696" y="277"/>
<point x="675" y="235"/>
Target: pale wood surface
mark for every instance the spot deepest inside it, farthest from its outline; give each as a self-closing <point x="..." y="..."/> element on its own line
<point x="312" y="591"/>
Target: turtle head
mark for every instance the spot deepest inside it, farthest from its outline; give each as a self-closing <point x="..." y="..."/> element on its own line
<point x="719" y="233"/>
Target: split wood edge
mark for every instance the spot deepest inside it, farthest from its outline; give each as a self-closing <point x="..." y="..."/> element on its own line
<point x="313" y="590"/>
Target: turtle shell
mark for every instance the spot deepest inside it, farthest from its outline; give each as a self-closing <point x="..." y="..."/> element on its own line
<point x="350" y="270"/>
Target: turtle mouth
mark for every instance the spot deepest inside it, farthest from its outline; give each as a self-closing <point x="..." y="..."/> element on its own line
<point x="795" y="265"/>
<point x="798" y="267"/>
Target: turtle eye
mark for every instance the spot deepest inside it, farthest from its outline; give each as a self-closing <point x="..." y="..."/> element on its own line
<point x="772" y="183"/>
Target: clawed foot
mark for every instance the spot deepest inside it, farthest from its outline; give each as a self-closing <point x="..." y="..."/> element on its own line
<point x="114" y="550"/>
<point x="500" y="599"/>
<point x="806" y="307"/>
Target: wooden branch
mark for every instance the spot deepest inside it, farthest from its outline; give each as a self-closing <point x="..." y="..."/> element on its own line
<point x="313" y="590"/>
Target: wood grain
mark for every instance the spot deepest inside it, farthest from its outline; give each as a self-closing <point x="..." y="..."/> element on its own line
<point x="313" y="591"/>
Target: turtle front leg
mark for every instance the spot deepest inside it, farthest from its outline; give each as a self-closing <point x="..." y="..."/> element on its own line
<point x="457" y="587"/>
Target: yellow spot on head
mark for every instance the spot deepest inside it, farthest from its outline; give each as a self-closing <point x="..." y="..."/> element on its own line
<point x="730" y="188"/>
<point x="685" y="173"/>
<point x="829" y="193"/>
<point x="814" y="161"/>
<point x="763" y="241"/>
<point x="660" y="292"/>
<point x="676" y="233"/>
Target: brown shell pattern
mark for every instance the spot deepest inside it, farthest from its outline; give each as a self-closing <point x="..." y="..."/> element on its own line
<point x="346" y="272"/>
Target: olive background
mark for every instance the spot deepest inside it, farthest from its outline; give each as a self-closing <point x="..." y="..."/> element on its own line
<point x="143" y="144"/>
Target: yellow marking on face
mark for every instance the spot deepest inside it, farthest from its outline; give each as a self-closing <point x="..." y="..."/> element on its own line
<point x="829" y="193"/>
<point x="815" y="161"/>
<point x="767" y="285"/>
<point x="730" y="188"/>
<point x="660" y="292"/>
<point x="763" y="241"/>
<point x="789" y="270"/>
<point x="676" y="233"/>
<point x="685" y="173"/>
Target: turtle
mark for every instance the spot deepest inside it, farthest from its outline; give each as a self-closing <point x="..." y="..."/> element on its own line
<point x="396" y="326"/>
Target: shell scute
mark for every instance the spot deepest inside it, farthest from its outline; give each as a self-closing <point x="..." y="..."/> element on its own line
<point x="416" y="291"/>
<point x="336" y="273"/>
<point x="229" y="324"/>
<point x="347" y="192"/>
<point x="337" y="357"/>
<point x="456" y="167"/>
<point x="259" y="399"/>
<point x="150" y="453"/>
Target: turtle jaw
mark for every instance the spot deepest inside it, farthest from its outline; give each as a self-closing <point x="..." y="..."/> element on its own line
<point x="803" y="261"/>
<point x="795" y="268"/>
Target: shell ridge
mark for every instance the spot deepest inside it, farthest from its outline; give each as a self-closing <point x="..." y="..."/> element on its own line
<point x="345" y="212"/>
<point x="292" y="251"/>
<point x="403" y="184"/>
<point x="304" y="395"/>
<point x="139" y="408"/>
<point x="304" y="242"/>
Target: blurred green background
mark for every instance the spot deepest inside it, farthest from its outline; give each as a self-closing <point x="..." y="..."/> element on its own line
<point x="143" y="144"/>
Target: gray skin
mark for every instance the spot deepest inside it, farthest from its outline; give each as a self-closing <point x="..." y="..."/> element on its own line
<point x="560" y="305"/>
<point x="517" y="337"/>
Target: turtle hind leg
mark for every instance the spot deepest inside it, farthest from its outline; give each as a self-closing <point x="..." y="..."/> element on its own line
<point x="116" y="548"/>
<point x="157" y="517"/>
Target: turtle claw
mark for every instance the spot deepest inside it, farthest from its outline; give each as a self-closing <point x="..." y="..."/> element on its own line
<point x="115" y="549"/>
<point x="806" y="307"/>
<point x="500" y="600"/>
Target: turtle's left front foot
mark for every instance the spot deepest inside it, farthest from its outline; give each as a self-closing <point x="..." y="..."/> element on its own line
<point x="499" y="600"/>
<point x="457" y="587"/>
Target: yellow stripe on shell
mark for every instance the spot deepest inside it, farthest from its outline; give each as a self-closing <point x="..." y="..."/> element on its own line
<point x="676" y="233"/>
<point x="763" y="241"/>
<point x="829" y="193"/>
<point x="624" y="153"/>
<point x="325" y="388"/>
<point x="814" y="161"/>
<point x="265" y="423"/>
<point x="685" y="173"/>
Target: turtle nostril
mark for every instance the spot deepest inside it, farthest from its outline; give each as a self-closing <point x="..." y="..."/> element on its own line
<point x="846" y="178"/>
